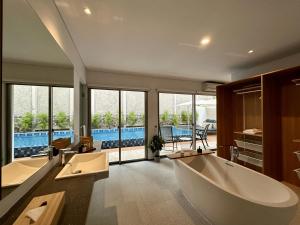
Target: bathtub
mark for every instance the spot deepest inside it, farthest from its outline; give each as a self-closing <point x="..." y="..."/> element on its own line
<point x="226" y="193"/>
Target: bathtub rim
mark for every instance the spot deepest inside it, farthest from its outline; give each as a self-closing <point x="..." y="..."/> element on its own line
<point x="292" y="201"/>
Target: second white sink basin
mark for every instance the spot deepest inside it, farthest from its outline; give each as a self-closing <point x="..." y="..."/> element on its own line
<point x="18" y="171"/>
<point x="95" y="164"/>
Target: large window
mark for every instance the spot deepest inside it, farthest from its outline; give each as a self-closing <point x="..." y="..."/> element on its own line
<point x="62" y="122"/>
<point x="117" y="123"/>
<point x="178" y="122"/>
<point x="175" y="120"/>
<point x="206" y="121"/>
<point x="30" y="115"/>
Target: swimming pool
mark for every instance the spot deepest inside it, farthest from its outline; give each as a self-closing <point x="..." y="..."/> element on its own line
<point x="38" y="139"/>
<point x="31" y="143"/>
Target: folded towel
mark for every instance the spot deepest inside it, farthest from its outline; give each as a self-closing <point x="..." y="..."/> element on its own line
<point x="252" y="131"/>
<point x="34" y="214"/>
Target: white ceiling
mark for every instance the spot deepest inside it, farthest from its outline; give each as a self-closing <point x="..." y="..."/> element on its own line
<point x="159" y="37"/>
<point x="25" y="39"/>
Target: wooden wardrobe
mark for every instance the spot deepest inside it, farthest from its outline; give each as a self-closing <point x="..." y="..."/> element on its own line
<point x="268" y="102"/>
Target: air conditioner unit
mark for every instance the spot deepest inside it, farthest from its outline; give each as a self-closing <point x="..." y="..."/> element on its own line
<point x="210" y="86"/>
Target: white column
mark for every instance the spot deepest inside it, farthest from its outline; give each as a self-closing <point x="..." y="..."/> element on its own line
<point x="92" y="102"/>
<point x="152" y="117"/>
<point x="194" y="121"/>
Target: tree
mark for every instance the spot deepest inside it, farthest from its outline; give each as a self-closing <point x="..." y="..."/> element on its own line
<point x="184" y="117"/>
<point x="131" y="119"/>
<point x="96" y="119"/>
<point x="142" y="119"/>
<point x="175" y="120"/>
<point x="165" y="117"/>
<point x="42" y="121"/>
<point x="26" y="122"/>
<point x="108" y="119"/>
<point x="61" y="120"/>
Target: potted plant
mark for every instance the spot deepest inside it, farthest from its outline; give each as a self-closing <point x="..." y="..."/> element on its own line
<point x="156" y="145"/>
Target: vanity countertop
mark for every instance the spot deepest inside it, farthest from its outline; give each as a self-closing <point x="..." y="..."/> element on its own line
<point x="77" y="197"/>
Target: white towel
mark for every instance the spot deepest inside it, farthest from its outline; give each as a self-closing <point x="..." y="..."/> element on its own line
<point x="34" y="214"/>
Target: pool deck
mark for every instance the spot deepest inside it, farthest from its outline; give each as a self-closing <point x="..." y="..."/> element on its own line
<point x="138" y="152"/>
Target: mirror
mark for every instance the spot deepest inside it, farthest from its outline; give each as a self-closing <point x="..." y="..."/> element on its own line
<point x="37" y="95"/>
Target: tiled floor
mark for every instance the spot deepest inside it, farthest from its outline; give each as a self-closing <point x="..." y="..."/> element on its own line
<point x="144" y="193"/>
<point x="296" y="220"/>
<point x="140" y="193"/>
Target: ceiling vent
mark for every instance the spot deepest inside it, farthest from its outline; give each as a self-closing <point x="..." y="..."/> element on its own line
<point x="210" y="86"/>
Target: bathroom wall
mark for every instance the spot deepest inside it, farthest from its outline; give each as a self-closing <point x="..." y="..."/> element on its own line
<point x="51" y="18"/>
<point x="37" y="74"/>
<point x="282" y="63"/>
<point x="151" y="84"/>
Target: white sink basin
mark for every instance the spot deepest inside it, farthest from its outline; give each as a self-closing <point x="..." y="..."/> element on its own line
<point x="92" y="164"/>
<point x="18" y="171"/>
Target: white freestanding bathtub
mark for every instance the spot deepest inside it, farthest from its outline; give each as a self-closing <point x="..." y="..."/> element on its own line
<point x="229" y="194"/>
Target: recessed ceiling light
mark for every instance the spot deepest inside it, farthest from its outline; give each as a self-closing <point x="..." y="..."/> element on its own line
<point x="87" y="11"/>
<point x="205" y="41"/>
<point x="250" y="51"/>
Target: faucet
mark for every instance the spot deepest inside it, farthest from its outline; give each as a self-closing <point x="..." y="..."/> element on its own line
<point x="234" y="153"/>
<point x="46" y="152"/>
<point x="62" y="155"/>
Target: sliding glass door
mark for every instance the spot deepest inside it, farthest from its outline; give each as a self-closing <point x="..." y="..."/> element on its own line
<point x="117" y="123"/>
<point x="105" y="121"/>
<point x="62" y="113"/>
<point x="206" y="121"/>
<point x="133" y="125"/>
<point x="175" y="121"/>
<point x="31" y="108"/>
<point x="187" y="121"/>
<point x="29" y="117"/>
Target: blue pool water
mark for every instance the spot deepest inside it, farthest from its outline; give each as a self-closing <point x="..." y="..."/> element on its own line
<point x="36" y="139"/>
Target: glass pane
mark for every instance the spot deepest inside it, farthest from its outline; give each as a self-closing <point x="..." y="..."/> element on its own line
<point x="175" y="120"/>
<point x="105" y="121"/>
<point x="133" y="125"/>
<point x="206" y="121"/>
<point x="63" y="104"/>
<point x="30" y="107"/>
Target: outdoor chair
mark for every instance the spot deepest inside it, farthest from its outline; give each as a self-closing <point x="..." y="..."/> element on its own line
<point x="202" y="135"/>
<point x="166" y="133"/>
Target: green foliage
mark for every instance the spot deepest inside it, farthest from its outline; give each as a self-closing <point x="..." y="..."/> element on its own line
<point x="42" y="121"/>
<point x="96" y="119"/>
<point x="191" y="117"/>
<point x="26" y="122"/>
<point x="108" y="119"/>
<point x="61" y="120"/>
<point x="142" y="119"/>
<point x="165" y="117"/>
<point x="131" y="119"/>
<point x="184" y="117"/>
<point x="156" y="144"/>
<point x="175" y="120"/>
<point x="122" y="120"/>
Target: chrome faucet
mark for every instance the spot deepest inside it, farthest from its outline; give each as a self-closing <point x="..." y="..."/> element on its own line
<point x="46" y="152"/>
<point x="62" y="155"/>
<point x="234" y="153"/>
